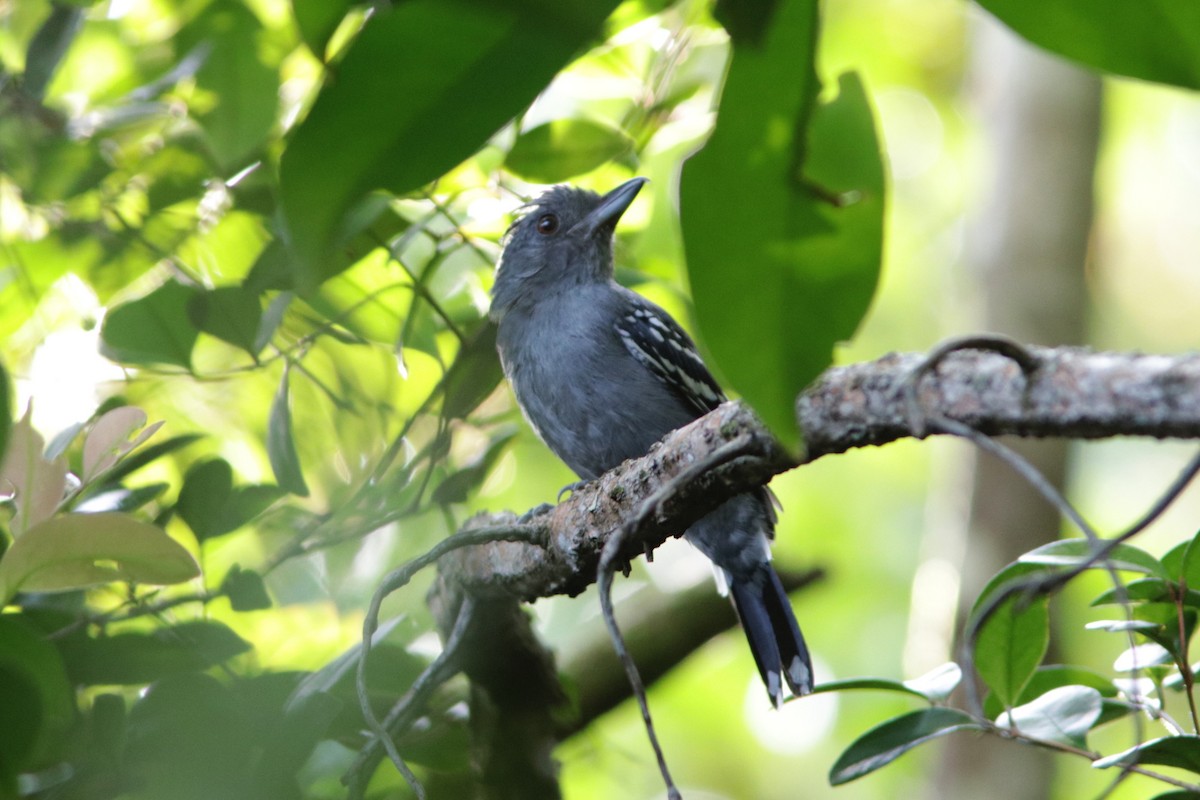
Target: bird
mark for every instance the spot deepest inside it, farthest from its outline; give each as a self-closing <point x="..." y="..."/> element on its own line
<point x="601" y="374"/>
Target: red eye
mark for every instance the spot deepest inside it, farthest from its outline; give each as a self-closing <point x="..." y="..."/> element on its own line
<point x="547" y="224"/>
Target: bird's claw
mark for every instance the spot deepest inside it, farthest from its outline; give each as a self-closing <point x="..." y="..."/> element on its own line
<point x="534" y="512"/>
<point x="570" y="487"/>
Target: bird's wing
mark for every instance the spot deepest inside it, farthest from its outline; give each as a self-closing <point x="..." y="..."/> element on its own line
<point x="664" y="348"/>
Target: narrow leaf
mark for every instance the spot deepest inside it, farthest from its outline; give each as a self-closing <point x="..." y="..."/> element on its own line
<point x="882" y="745"/>
<point x="281" y="448"/>
<point x="1077" y="552"/>
<point x="79" y="550"/>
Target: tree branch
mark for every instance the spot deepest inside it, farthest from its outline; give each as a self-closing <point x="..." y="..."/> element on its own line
<point x="1071" y="393"/>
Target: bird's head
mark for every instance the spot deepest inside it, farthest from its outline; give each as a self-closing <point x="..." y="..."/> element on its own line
<point x="563" y="239"/>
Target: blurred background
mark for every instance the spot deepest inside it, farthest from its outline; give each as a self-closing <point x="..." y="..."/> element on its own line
<point x="1027" y="197"/>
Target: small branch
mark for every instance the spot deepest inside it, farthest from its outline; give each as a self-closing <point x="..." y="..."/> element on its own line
<point x="1071" y="392"/>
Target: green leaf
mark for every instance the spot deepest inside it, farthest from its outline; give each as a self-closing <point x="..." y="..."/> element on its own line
<point x="885" y="743"/>
<point x="317" y="21"/>
<point x="933" y="686"/>
<point x="230" y="313"/>
<point x="245" y="589"/>
<point x="48" y="47"/>
<point x="1064" y="714"/>
<point x="212" y="507"/>
<point x="121" y="499"/>
<point x="746" y="21"/>
<point x="5" y="412"/>
<point x="1149" y="590"/>
<point x="457" y="486"/>
<point x="37" y="698"/>
<point x="153" y="329"/>
<point x="244" y="88"/>
<point x="1180" y="795"/>
<point x="1079" y="552"/>
<point x="147" y="455"/>
<point x="1010" y="644"/>
<point x="473" y="375"/>
<point x="1155" y="40"/>
<point x="78" y="550"/>
<point x="1189" y="571"/>
<point x="782" y="215"/>
<point x="132" y="658"/>
<point x="556" y="151"/>
<point x="463" y="70"/>
<point x="1053" y="676"/>
<point x="281" y="448"/>
<point x="1181" y="751"/>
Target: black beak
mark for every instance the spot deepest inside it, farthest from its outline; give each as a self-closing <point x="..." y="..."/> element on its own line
<point x="611" y="207"/>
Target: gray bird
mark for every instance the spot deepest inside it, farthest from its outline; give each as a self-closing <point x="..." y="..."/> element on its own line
<point x="602" y="374"/>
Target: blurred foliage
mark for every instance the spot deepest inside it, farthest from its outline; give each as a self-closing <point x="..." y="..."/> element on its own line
<point x="271" y="226"/>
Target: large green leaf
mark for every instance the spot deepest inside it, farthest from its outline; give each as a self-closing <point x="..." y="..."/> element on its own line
<point x="1156" y="40"/>
<point x="782" y="215"/>
<point x="885" y="743"/>
<point x="78" y="550"/>
<point x="421" y="89"/>
<point x="153" y="329"/>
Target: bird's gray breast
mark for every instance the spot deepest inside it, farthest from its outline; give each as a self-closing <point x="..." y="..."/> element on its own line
<point x="589" y="400"/>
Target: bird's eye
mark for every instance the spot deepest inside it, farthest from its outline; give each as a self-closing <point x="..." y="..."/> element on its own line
<point x="547" y="224"/>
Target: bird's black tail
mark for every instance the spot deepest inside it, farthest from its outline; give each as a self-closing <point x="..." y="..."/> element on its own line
<point x="774" y="637"/>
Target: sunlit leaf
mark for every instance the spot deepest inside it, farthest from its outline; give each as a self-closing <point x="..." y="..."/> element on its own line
<point x="1181" y="751"/>
<point x="36" y="482"/>
<point x="1053" y="676"/>
<point x="281" y="447"/>
<point x="1149" y="590"/>
<point x="463" y="70"/>
<point x="559" y="150"/>
<point x="782" y="215"/>
<point x="108" y="440"/>
<point x="153" y="329"/>
<point x="1155" y="40"/>
<point x="1064" y="714"/>
<point x="78" y="550"/>
<point x="244" y="87"/>
<point x="882" y="745"/>
<point x="121" y="499"/>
